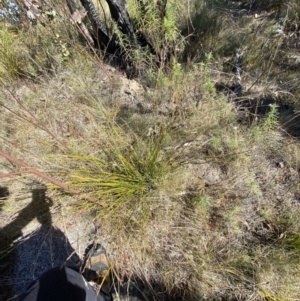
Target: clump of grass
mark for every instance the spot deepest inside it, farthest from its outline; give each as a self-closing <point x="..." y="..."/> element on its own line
<point x="270" y="285"/>
<point x="12" y="64"/>
<point x="123" y="169"/>
<point x="120" y="168"/>
<point x="37" y="49"/>
<point x="292" y="242"/>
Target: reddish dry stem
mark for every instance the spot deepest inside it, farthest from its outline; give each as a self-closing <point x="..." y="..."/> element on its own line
<point x="17" y="173"/>
<point x="40" y="174"/>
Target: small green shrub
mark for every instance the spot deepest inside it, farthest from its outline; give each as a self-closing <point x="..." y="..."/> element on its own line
<point x="271" y="120"/>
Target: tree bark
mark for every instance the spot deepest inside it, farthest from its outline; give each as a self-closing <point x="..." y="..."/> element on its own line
<point x="104" y="39"/>
<point x="120" y="16"/>
<point x="108" y="41"/>
<point x="72" y="7"/>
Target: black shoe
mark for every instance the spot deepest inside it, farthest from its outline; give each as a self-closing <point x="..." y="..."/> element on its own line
<point x="96" y="266"/>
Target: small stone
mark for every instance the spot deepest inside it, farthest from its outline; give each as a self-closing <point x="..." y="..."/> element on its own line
<point x="279" y="164"/>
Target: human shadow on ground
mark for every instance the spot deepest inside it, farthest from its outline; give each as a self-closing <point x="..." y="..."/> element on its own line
<point x="24" y="258"/>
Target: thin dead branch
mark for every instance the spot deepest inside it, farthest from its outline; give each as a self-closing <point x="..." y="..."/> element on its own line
<point x="29" y="169"/>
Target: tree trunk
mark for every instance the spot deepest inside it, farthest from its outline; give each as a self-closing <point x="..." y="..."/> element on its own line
<point x="72" y="7"/>
<point x="121" y="17"/>
<point x="104" y="39"/>
<point x="108" y="41"/>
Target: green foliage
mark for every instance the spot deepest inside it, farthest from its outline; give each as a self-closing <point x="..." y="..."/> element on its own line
<point x="292" y="242"/>
<point x="233" y="221"/>
<point x="170" y="21"/>
<point x="65" y="53"/>
<point x="123" y="170"/>
<point x="271" y="120"/>
<point x="12" y="62"/>
<point x="256" y="133"/>
<point x="201" y="25"/>
<point x="162" y="33"/>
<point x="28" y="54"/>
<point x="253" y="187"/>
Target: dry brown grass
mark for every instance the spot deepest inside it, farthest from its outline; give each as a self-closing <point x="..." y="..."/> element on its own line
<point x="221" y="220"/>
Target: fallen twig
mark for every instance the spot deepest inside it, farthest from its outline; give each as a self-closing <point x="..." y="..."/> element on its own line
<point x="34" y="171"/>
